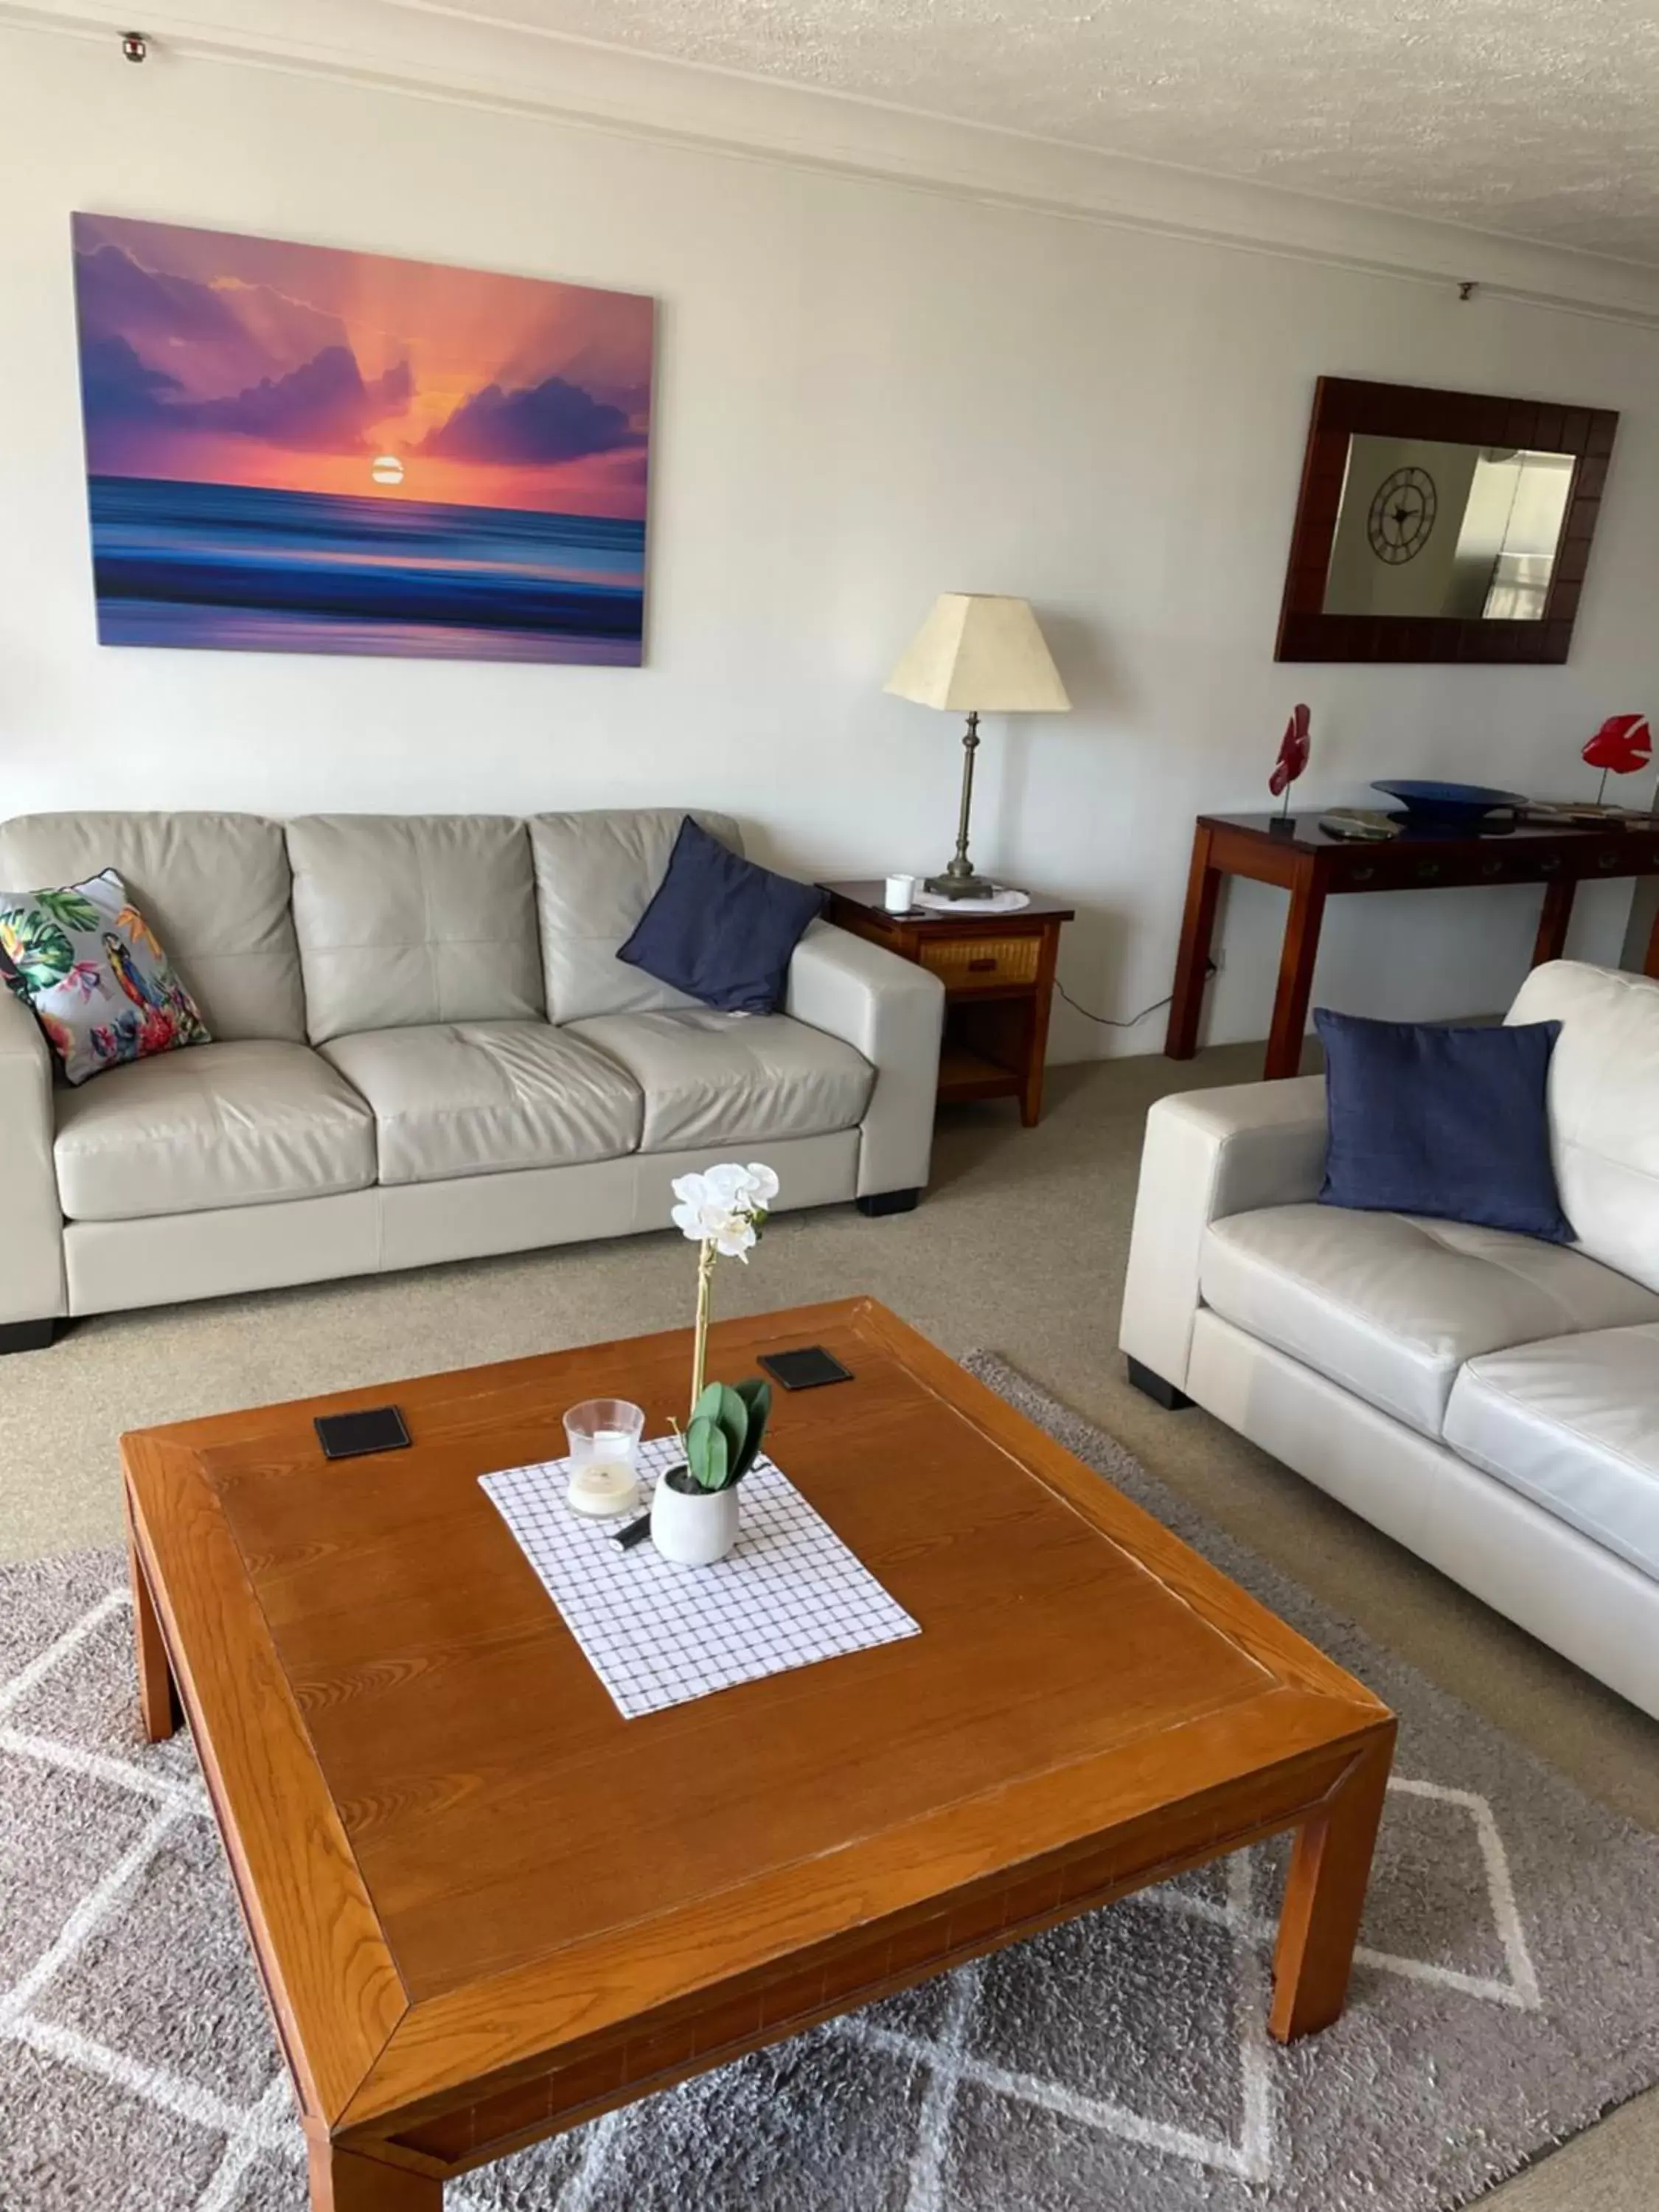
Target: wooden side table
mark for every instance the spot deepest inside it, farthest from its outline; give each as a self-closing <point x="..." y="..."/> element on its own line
<point x="998" y="970"/>
<point x="1311" y="865"/>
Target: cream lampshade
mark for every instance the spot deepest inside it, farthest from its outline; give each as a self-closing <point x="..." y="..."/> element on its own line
<point x="978" y="653"/>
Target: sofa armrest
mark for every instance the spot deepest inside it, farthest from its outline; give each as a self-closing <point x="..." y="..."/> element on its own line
<point x="31" y="1224"/>
<point x="1209" y="1153"/>
<point x="893" y="1012"/>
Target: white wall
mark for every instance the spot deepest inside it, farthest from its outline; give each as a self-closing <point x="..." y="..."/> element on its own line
<point x="866" y="394"/>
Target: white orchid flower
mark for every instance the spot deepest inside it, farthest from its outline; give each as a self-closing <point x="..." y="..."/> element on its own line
<point x="702" y="1208"/>
<point x="719" y="1207"/>
<point x="735" y="1238"/>
<point x="698" y="1218"/>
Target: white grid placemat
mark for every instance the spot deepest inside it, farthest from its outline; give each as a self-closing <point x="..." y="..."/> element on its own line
<point x="789" y="1592"/>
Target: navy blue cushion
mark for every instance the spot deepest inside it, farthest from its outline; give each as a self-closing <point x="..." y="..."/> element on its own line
<point x="720" y="928"/>
<point x="1444" y="1121"/>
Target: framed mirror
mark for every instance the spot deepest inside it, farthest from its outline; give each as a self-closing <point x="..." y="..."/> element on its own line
<point x="1441" y="526"/>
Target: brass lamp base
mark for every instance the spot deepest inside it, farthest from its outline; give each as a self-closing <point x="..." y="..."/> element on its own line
<point x="967" y="885"/>
<point x="959" y="880"/>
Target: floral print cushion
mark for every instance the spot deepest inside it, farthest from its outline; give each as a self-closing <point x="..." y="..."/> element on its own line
<point x="90" y="964"/>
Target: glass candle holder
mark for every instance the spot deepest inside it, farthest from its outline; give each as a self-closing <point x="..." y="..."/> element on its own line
<point x="603" y="1436"/>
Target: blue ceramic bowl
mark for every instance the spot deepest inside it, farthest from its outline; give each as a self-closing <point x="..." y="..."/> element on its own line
<point x="1448" y="802"/>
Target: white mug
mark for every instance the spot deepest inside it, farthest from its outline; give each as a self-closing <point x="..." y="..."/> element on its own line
<point x="900" y="894"/>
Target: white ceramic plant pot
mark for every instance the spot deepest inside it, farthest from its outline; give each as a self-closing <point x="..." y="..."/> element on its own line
<point x="693" y="1528"/>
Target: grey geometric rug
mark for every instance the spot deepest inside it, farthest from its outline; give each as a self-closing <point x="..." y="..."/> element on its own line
<point x="1507" y="1994"/>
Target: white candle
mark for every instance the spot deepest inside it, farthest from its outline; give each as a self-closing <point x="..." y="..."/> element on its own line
<point x="602" y="1488"/>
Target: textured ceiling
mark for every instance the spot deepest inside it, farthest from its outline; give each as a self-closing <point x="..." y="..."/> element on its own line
<point x="1540" y="118"/>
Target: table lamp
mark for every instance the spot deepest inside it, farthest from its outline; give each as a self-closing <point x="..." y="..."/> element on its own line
<point x="979" y="655"/>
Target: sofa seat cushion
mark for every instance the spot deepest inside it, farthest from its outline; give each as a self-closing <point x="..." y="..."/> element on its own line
<point x="467" y="1098"/>
<point x="1572" y="1424"/>
<point x="713" y="1078"/>
<point x="1390" y="1305"/>
<point x="245" y="1123"/>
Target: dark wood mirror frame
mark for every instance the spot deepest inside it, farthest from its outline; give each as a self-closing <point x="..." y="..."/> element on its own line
<point x="1345" y="407"/>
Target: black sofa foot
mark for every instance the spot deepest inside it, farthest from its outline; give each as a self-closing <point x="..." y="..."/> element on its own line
<point x="888" y="1201"/>
<point x="1160" y="1392"/>
<point x="26" y="1335"/>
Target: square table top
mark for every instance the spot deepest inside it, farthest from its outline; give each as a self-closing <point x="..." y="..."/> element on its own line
<point x="456" y="1857"/>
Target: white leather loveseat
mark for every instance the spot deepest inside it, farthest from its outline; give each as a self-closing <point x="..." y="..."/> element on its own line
<point x="1490" y="1401"/>
<point x="424" y="1048"/>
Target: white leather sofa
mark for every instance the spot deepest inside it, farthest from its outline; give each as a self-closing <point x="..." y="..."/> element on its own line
<point x="1490" y="1401"/>
<point x="424" y="1048"/>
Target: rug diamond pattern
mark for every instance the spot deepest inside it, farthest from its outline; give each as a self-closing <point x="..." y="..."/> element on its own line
<point x="235" y="2142"/>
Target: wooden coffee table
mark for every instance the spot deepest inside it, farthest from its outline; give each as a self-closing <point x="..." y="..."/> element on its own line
<point x="486" y="1907"/>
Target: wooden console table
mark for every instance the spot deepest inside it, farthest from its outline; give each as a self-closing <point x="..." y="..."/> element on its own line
<point x="1313" y="866"/>
<point x="998" y="970"/>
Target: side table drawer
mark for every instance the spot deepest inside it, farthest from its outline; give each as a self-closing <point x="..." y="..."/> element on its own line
<point x="983" y="963"/>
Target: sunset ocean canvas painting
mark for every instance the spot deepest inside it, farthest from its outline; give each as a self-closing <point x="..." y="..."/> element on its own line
<point x="297" y="449"/>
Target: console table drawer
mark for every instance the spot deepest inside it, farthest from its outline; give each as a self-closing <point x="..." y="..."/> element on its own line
<point x="983" y="963"/>
<point x="1378" y="868"/>
<point x="1419" y="866"/>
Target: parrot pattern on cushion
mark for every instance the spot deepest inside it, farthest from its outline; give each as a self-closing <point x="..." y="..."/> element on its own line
<point x="94" y="971"/>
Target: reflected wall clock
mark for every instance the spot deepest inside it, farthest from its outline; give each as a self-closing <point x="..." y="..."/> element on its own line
<point x="1402" y="515"/>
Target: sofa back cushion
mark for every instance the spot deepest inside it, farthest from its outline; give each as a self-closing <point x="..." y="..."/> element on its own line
<point x="1604" y="1107"/>
<point x="405" y="920"/>
<point x="595" y="876"/>
<point x="213" y="887"/>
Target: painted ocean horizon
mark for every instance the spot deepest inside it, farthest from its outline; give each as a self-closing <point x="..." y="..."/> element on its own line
<point x="241" y="567"/>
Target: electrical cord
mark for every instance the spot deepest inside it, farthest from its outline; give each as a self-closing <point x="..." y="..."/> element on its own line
<point x="1112" y="1022"/>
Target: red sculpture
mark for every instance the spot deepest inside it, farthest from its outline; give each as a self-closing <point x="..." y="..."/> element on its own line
<point x="1622" y="744"/>
<point x="1294" y="749"/>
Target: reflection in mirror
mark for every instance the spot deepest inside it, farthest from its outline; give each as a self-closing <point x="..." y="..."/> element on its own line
<point x="1428" y="528"/>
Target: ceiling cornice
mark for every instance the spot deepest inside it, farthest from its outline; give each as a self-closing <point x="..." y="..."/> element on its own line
<point x="421" y="47"/>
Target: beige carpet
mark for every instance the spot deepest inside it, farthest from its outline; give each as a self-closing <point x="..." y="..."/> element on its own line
<point x="1020" y="1245"/>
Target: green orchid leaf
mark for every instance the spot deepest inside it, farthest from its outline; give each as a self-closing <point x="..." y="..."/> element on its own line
<point x="725" y="1431"/>
<point x="756" y="1396"/>
<point x="733" y="1417"/>
<point x="706" y="1454"/>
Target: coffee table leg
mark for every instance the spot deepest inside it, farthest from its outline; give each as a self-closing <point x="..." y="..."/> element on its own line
<point x="1325" y="1895"/>
<point x="158" y="1699"/>
<point x="345" y="2181"/>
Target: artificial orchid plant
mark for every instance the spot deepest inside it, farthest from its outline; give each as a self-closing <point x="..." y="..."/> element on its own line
<point x="723" y="1212"/>
<point x="1295" y="749"/>
<point x="1622" y="744"/>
